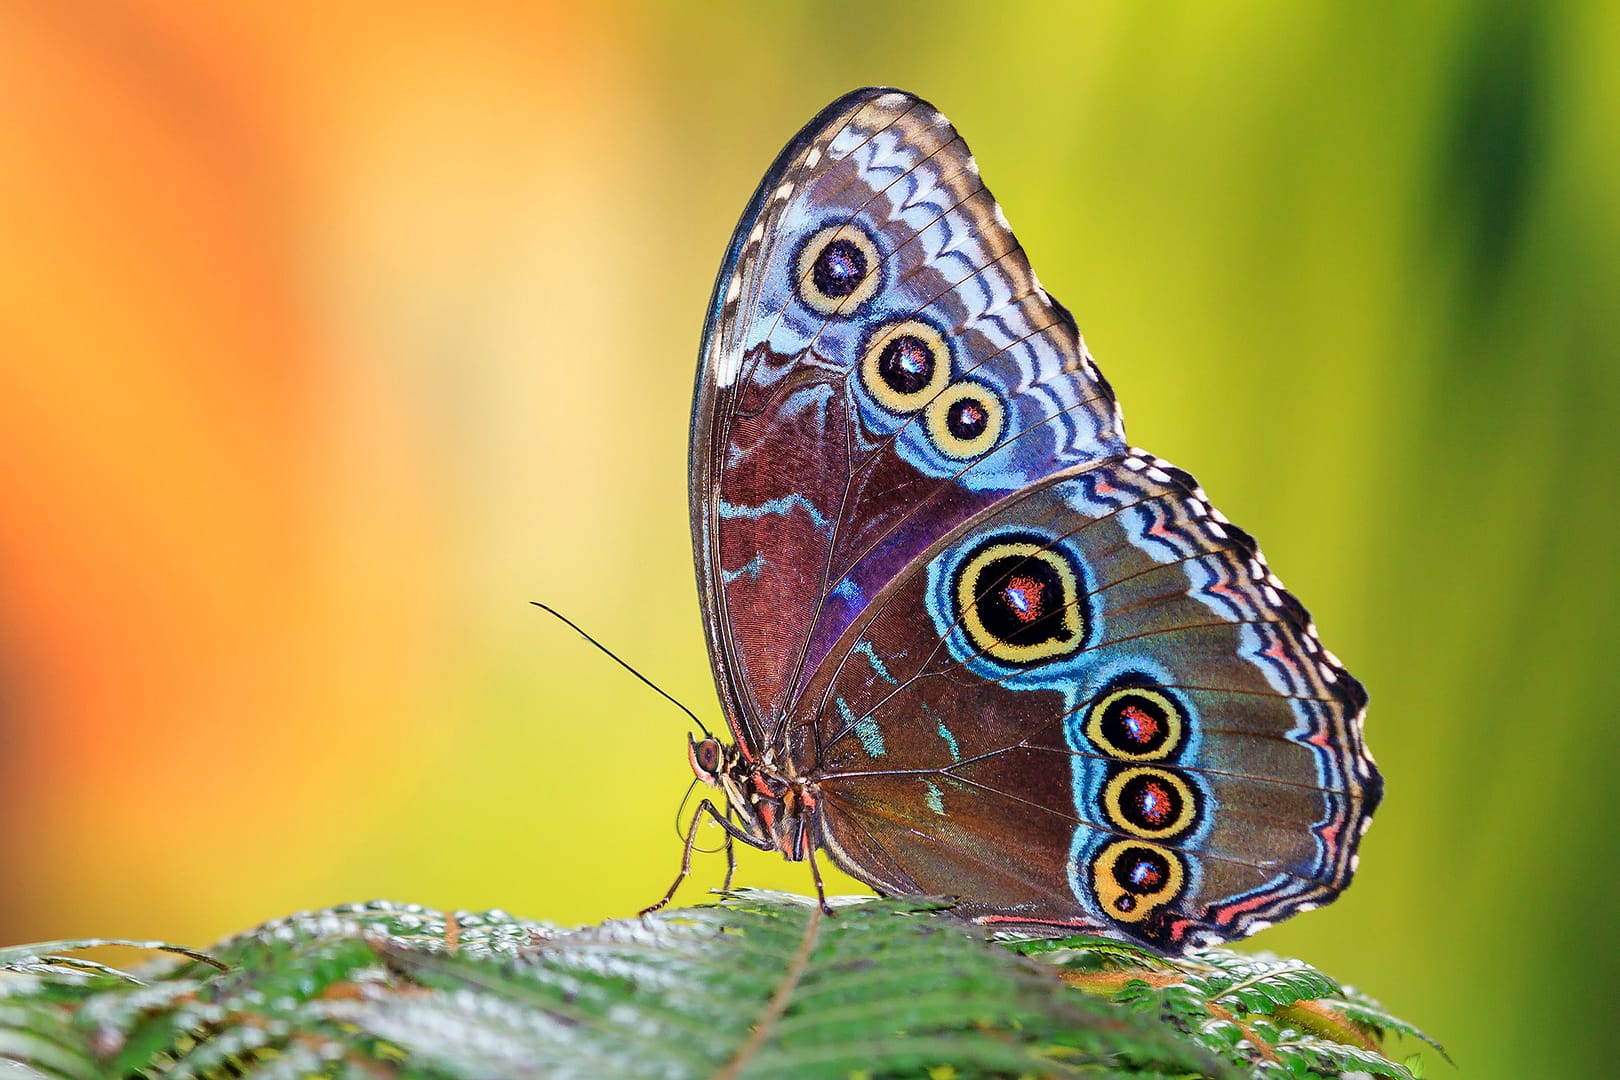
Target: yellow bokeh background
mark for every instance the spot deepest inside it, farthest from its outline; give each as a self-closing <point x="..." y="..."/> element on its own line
<point x="331" y="335"/>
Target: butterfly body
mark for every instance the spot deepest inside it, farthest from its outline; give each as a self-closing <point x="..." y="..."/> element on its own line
<point x="969" y="641"/>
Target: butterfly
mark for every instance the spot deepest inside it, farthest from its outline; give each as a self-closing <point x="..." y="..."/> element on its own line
<point x="968" y="640"/>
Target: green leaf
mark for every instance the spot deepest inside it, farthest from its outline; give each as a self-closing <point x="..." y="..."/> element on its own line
<point x="20" y="957"/>
<point x="759" y="985"/>
<point x="1367" y="1012"/>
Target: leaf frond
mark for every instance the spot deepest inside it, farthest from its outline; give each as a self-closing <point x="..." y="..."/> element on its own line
<point x="758" y="985"/>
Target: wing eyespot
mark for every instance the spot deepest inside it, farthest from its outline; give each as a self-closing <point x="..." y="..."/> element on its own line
<point x="905" y="365"/>
<point x="1132" y="879"/>
<point x="1136" y="723"/>
<point x="965" y="419"/>
<point x="837" y="269"/>
<point x="1019" y="599"/>
<point x="1150" y="803"/>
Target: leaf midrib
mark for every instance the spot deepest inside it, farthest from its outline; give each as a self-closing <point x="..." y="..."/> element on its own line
<point x="778" y="1003"/>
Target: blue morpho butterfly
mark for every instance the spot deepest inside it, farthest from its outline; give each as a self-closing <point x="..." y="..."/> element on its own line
<point x="969" y="641"/>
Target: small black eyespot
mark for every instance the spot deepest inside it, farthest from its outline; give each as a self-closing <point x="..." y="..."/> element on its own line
<point x="839" y="268"/>
<point x="966" y="419"/>
<point x="906" y="363"/>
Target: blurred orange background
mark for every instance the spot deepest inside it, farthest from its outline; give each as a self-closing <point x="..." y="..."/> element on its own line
<point x="330" y="336"/>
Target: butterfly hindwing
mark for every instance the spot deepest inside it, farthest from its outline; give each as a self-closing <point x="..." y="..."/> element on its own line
<point x="880" y="364"/>
<point x="1093" y="706"/>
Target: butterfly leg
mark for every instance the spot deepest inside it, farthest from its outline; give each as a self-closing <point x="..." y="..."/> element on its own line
<point x="821" y="891"/>
<point x="733" y="832"/>
<point x="731" y="859"/>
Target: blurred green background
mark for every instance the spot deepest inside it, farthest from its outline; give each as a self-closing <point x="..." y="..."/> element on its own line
<point x="328" y="339"/>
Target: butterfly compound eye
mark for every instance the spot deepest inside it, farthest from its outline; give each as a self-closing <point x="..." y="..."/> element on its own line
<point x="837" y="270"/>
<point x="705" y="755"/>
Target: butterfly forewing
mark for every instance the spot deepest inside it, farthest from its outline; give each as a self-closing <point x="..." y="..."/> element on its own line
<point x="888" y="366"/>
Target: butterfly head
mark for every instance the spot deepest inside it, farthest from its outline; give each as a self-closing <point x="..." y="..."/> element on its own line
<point x="766" y="804"/>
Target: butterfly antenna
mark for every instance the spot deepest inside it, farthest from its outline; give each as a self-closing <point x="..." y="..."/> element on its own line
<point x="572" y="625"/>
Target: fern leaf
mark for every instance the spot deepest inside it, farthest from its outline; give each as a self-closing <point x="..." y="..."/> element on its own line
<point x="1253" y="1010"/>
<point x="759" y="985"/>
<point x="1372" y="1016"/>
<point x="1261" y="984"/>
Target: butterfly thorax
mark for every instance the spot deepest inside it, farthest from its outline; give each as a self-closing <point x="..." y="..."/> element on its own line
<point x="771" y="804"/>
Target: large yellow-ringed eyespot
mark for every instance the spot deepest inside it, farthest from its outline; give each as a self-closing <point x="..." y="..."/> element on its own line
<point x="837" y="269"/>
<point x="965" y="419"/>
<point x="1154" y="804"/>
<point x="1019" y="600"/>
<point x="1133" y="879"/>
<point x="905" y="365"/>
<point x="1135" y="724"/>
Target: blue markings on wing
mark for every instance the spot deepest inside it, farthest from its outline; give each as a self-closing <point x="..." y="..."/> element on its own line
<point x="865" y="728"/>
<point x="781" y="505"/>
<point x="865" y="649"/>
<point x="750" y="570"/>
<point x="935" y="801"/>
<point x="950" y="740"/>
